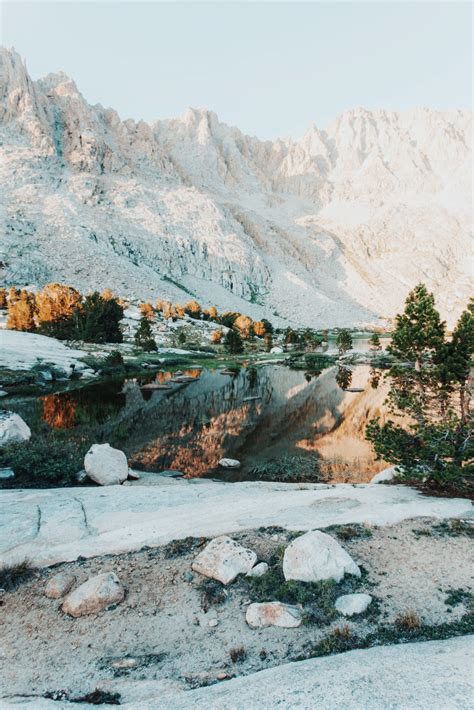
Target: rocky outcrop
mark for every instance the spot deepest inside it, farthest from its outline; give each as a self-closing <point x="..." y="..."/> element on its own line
<point x="94" y="596"/>
<point x="273" y="614"/>
<point x="13" y="429"/>
<point x="105" y="465"/>
<point x="315" y="556"/>
<point x="223" y="559"/>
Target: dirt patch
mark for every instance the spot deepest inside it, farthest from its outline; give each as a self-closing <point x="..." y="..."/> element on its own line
<point x="176" y="626"/>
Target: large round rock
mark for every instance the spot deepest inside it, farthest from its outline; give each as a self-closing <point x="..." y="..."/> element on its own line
<point x="13" y="429"/>
<point x="94" y="595"/>
<point x="105" y="465"/>
<point x="315" y="556"/>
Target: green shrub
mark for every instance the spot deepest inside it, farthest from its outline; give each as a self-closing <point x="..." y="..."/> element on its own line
<point x="49" y="460"/>
<point x="11" y="576"/>
<point x="287" y="468"/>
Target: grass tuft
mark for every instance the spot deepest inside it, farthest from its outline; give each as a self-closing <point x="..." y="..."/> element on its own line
<point x="11" y="576"/>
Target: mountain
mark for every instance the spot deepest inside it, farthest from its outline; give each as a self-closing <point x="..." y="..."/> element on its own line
<point x="333" y="229"/>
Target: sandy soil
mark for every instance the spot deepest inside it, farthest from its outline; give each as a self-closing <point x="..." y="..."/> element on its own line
<point x="164" y="621"/>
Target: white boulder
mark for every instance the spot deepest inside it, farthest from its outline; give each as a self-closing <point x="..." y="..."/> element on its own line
<point x="259" y="570"/>
<point x="229" y="463"/>
<point x="223" y="559"/>
<point x="59" y="585"/>
<point x="93" y="596"/>
<point x="276" y="350"/>
<point x="387" y="474"/>
<point x="105" y="465"/>
<point x="13" y="429"/>
<point x="350" y="604"/>
<point x="315" y="556"/>
<point x="273" y="614"/>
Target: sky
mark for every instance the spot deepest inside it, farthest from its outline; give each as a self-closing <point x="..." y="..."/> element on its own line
<point x="270" y="68"/>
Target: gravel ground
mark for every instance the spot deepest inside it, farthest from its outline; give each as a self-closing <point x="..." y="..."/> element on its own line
<point x="163" y="622"/>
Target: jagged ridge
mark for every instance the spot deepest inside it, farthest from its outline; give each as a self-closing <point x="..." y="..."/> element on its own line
<point x="330" y="230"/>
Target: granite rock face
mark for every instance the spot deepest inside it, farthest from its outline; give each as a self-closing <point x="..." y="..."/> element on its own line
<point x="323" y="229"/>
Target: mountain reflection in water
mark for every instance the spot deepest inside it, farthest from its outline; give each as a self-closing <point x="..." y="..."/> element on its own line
<point x="258" y="415"/>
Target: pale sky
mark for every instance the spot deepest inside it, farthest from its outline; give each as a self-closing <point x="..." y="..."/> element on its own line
<point x="270" y="68"/>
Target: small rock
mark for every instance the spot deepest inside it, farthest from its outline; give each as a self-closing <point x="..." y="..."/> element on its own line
<point x="350" y="604"/>
<point x="124" y="663"/>
<point x="59" y="585"/>
<point x="93" y="596"/>
<point x="12" y="428"/>
<point x="259" y="570"/>
<point x="134" y="475"/>
<point x="223" y="559"/>
<point x="213" y="623"/>
<point x="273" y="614"/>
<point x="315" y="556"/>
<point x="229" y="463"/>
<point x="276" y="350"/>
<point x="81" y="476"/>
<point x="105" y="465"/>
<point x="387" y="474"/>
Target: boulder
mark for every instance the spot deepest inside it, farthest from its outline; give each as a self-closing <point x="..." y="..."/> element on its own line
<point x="93" y="596"/>
<point x="229" y="463"/>
<point x="350" y="604"/>
<point x="223" y="559"/>
<point x="259" y="570"/>
<point x="59" y="585"/>
<point x="12" y="428"/>
<point x="6" y="473"/>
<point x="273" y="614"/>
<point x="105" y="465"/>
<point x="315" y="556"/>
<point x="386" y="475"/>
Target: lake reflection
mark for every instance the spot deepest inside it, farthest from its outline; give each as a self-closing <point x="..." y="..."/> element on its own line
<point x="260" y="414"/>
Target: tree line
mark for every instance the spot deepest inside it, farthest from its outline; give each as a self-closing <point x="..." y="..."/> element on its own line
<point x="62" y="312"/>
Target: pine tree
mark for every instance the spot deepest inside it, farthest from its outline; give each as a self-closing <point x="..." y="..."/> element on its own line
<point x="97" y="320"/>
<point x="144" y="336"/>
<point x="233" y="342"/>
<point x="429" y="389"/>
<point x="343" y="377"/>
<point x="344" y="341"/>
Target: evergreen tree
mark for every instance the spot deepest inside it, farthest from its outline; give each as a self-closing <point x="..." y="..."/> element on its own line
<point x="97" y="320"/>
<point x="429" y="389"/>
<point x="233" y="342"/>
<point x="344" y="341"/>
<point x="144" y="336"/>
<point x="267" y="325"/>
<point x="3" y="298"/>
